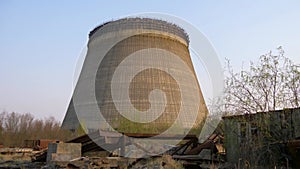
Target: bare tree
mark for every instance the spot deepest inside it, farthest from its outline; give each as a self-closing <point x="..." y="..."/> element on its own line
<point x="270" y="84"/>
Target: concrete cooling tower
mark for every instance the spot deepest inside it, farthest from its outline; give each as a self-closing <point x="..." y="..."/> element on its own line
<point x="137" y="77"/>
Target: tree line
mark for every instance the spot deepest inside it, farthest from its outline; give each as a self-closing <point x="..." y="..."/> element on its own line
<point x="16" y="127"/>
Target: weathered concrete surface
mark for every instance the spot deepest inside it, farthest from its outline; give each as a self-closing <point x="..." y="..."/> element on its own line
<point x="63" y="151"/>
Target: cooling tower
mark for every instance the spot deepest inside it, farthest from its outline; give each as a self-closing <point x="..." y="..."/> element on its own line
<point x="137" y="77"/>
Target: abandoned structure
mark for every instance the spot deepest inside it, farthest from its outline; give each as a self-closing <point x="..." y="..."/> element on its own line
<point x="137" y="77"/>
<point x="264" y="137"/>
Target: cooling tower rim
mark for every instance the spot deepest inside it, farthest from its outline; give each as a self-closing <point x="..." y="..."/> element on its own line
<point x="140" y="21"/>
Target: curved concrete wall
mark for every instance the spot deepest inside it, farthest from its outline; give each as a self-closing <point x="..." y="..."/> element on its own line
<point x="137" y="71"/>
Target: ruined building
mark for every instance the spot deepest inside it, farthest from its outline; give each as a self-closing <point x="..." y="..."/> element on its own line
<point x="264" y="138"/>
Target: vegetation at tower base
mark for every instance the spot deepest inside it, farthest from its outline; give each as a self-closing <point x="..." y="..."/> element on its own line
<point x="125" y="125"/>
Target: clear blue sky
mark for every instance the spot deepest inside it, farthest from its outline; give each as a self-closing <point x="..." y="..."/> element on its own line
<point x="40" y="41"/>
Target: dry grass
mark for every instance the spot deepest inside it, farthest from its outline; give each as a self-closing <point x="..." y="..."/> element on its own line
<point x="164" y="162"/>
<point x="169" y="163"/>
